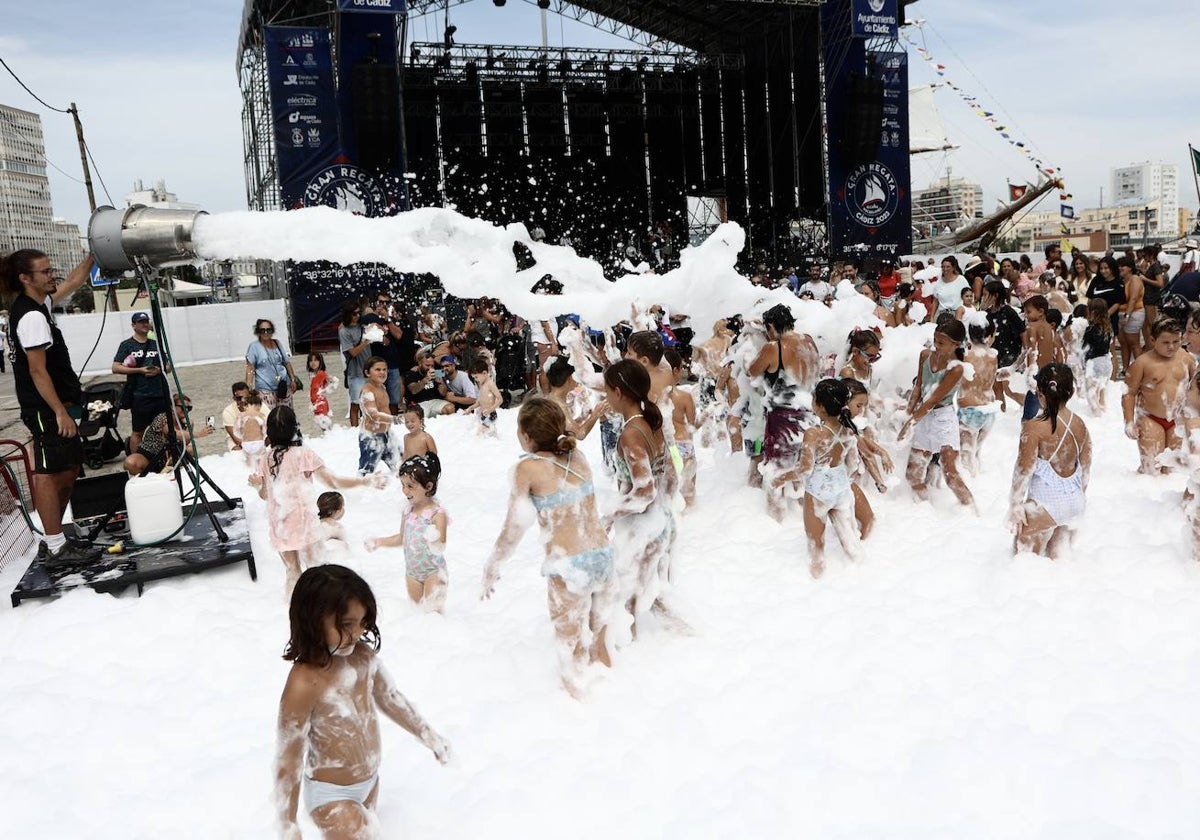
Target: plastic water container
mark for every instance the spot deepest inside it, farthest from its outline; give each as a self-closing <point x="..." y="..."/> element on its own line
<point x="153" y="506"/>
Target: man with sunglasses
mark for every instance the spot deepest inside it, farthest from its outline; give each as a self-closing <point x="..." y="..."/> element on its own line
<point x="229" y="415"/>
<point x="397" y="347"/>
<point x="48" y="393"/>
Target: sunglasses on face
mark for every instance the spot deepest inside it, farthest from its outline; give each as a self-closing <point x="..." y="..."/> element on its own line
<point x="266" y="329"/>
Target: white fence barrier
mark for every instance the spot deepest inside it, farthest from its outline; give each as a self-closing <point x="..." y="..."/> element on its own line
<point x="215" y="332"/>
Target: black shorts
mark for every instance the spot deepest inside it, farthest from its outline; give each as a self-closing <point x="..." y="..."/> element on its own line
<point x="52" y="453"/>
<point x="145" y="409"/>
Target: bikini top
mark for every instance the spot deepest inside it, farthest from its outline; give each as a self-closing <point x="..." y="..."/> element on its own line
<point x="658" y="463"/>
<point x="566" y="494"/>
<point x="1061" y="440"/>
<point x="772" y="376"/>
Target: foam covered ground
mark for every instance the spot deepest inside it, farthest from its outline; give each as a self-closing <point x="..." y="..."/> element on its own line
<point x="940" y="689"/>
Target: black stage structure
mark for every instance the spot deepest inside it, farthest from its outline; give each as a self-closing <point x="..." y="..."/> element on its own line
<point x="724" y="104"/>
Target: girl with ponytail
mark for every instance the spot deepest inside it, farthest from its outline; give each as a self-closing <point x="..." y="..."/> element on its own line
<point x="828" y="496"/>
<point x="554" y="479"/>
<point x="1051" y="474"/>
<point x="643" y="525"/>
<point x="932" y="414"/>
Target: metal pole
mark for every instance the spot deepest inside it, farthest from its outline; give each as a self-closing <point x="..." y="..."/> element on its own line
<point x="545" y="35"/>
<point x="87" y="173"/>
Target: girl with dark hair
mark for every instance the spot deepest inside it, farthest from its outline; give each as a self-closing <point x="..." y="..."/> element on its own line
<point x="328" y="728"/>
<point x="555" y="479"/>
<point x="284" y="479"/>
<point x="1054" y="458"/>
<point x="949" y="287"/>
<point x="422" y="533"/>
<point x="1097" y="354"/>
<point x="643" y="525"/>
<point x="828" y="496"/>
<point x="868" y="459"/>
<point x="788" y="363"/>
<point x="931" y="409"/>
<point x="863" y="352"/>
<point x="318" y="390"/>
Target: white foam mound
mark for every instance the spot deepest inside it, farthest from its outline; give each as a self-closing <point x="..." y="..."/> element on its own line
<point x="475" y="258"/>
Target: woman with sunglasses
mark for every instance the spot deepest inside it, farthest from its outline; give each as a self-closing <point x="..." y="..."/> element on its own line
<point x="269" y="367"/>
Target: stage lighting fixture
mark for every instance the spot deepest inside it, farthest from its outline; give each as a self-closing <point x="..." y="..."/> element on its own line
<point x="472" y="72"/>
<point x="449" y="36"/>
<point x="564" y="66"/>
<point x="414" y="55"/>
<point x="498" y="3"/>
<point x="543" y="4"/>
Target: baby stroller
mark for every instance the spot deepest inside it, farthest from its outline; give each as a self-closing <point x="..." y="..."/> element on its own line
<point x="102" y="442"/>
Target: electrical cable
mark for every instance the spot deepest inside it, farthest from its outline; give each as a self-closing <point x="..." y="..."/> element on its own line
<point x="30" y="92"/>
<point x="99" y="177"/>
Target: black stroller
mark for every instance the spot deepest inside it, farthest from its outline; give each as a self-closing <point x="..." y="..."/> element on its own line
<point x="98" y="425"/>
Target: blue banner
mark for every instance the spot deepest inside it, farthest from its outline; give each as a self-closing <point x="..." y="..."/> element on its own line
<point x="303" y="106"/>
<point x="876" y="19"/>
<point x="386" y="6"/>
<point x="870" y="199"/>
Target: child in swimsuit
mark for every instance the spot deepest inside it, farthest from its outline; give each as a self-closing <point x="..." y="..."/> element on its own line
<point x="556" y="480"/>
<point x="328" y="732"/>
<point x="422" y="533"/>
<point x="489" y="398"/>
<point x="869" y="459"/>
<point x="1155" y="392"/>
<point x="1097" y="358"/>
<point x="331" y="507"/>
<point x="977" y="406"/>
<point x="828" y="496"/>
<point x="417" y="441"/>
<point x="374" y="436"/>
<point x="318" y="390"/>
<point x="862" y="354"/>
<point x="284" y="479"/>
<point x="683" y="418"/>
<point x="249" y="428"/>
<point x="1051" y="475"/>
<point x="931" y="408"/>
<point x="642" y="523"/>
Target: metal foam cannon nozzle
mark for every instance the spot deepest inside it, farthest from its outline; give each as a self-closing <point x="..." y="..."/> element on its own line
<point x="151" y="236"/>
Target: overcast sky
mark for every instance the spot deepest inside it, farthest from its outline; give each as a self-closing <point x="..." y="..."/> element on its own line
<point x="1089" y="85"/>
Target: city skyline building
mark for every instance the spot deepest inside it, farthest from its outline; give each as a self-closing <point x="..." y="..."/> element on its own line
<point x="27" y="217"/>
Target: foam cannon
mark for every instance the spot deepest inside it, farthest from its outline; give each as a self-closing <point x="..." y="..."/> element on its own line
<point x="140" y="236"/>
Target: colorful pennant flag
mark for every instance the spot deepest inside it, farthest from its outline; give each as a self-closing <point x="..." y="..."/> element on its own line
<point x="1066" y="211"/>
<point x="1015" y="191"/>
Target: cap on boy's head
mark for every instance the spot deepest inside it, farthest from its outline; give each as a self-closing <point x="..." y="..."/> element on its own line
<point x="139" y="316"/>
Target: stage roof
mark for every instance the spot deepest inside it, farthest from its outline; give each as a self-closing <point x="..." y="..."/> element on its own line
<point x="699" y="25"/>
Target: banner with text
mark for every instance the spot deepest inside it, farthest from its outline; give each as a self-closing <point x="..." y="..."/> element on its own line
<point x="870" y="199"/>
<point x="392" y="7"/>
<point x="303" y="106"/>
<point x="876" y="19"/>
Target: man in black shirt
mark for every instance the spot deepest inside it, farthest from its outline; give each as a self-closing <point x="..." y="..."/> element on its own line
<point x="48" y="391"/>
<point x="137" y="359"/>
<point x="397" y="347"/>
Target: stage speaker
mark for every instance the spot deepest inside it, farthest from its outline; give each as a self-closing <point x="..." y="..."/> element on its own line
<point x="376" y="92"/>
<point x="864" y="119"/>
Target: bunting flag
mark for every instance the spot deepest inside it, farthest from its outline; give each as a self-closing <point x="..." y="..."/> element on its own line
<point x="1065" y="196"/>
<point x="1066" y="211"/>
<point x="1016" y="191"/>
<point x="989" y="117"/>
<point x="1062" y="228"/>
